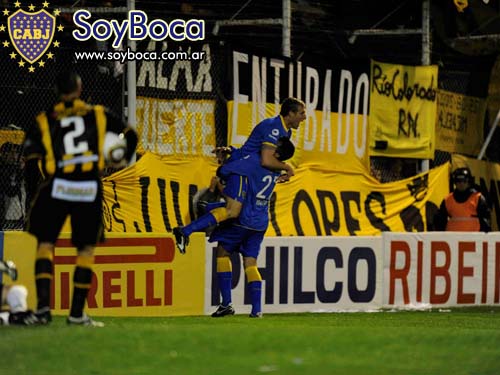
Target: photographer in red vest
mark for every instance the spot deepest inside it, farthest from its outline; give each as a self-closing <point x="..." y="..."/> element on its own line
<point x="465" y="209"/>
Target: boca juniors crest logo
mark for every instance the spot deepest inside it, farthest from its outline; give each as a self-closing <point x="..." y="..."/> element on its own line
<point x="31" y="34"/>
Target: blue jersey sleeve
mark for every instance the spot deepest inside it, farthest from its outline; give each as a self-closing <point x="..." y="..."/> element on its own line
<point x="242" y="166"/>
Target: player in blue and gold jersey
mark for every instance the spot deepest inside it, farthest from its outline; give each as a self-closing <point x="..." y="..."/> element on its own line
<point x="260" y="148"/>
<point x="245" y="234"/>
<point x="68" y="142"/>
<point x="264" y="137"/>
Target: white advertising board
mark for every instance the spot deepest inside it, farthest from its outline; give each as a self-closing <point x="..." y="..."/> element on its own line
<point x="307" y="274"/>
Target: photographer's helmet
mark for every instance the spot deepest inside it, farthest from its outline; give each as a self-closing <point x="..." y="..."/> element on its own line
<point x="461" y="175"/>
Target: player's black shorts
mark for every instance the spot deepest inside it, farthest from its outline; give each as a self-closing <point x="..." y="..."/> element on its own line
<point x="48" y="215"/>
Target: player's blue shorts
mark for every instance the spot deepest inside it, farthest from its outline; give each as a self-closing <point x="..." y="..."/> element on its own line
<point x="236" y="187"/>
<point x="234" y="238"/>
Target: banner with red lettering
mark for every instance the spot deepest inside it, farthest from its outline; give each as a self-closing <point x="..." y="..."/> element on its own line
<point x="134" y="275"/>
<point x="142" y="274"/>
<point x="441" y="269"/>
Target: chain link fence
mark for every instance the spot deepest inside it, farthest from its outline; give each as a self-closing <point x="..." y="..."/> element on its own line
<point x="23" y="94"/>
<point x="172" y="96"/>
<point x="180" y="107"/>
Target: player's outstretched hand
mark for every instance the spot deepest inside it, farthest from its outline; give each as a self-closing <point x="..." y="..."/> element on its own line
<point x="289" y="170"/>
<point x="222" y="152"/>
<point x="285" y="177"/>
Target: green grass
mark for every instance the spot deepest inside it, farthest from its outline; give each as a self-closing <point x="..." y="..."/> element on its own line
<point x="465" y="341"/>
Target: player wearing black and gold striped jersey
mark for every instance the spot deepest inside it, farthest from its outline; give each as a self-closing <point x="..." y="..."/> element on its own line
<point x="67" y="141"/>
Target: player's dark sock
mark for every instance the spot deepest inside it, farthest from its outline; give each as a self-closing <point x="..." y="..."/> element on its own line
<point x="211" y="218"/>
<point x="224" y="278"/>
<point x="255" y="288"/>
<point x="44" y="270"/>
<point x="81" y="284"/>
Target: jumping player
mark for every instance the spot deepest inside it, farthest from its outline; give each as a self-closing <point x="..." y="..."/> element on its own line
<point x="260" y="146"/>
<point x="245" y="234"/>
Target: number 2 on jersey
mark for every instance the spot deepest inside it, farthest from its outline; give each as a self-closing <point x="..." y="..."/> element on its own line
<point x="71" y="146"/>
<point x="69" y="140"/>
<point x="268" y="180"/>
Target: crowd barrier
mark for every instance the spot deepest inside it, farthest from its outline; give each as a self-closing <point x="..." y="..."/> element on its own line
<point x="142" y="274"/>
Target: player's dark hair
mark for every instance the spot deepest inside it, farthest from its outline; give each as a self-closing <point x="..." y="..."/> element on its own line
<point x="67" y="82"/>
<point x="291" y="105"/>
<point x="285" y="149"/>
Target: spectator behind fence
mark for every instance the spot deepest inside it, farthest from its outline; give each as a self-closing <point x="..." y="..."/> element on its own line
<point x="12" y="192"/>
<point x="465" y="209"/>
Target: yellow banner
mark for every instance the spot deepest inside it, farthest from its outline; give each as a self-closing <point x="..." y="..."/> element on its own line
<point x="135" y="274"/>
<point x="154" y="196"/>
<point x="459" y="123"/>
<point x="317" y="204"/>
<point x="487" y="176"/>
<point x="403" y="110"/>
<point x="324" y="140"/>
<point x="181" y="127"/>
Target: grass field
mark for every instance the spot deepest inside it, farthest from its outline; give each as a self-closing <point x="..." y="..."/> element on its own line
<point x="463" y="341"/>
